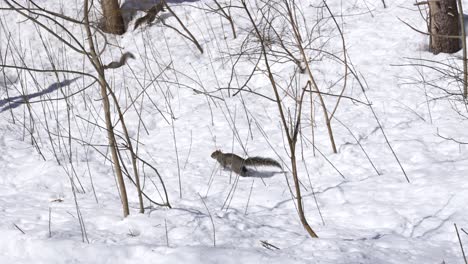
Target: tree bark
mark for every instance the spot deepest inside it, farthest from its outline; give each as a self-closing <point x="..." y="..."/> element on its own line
<point x="113" y="20"/>
<point x="444" y="26"/>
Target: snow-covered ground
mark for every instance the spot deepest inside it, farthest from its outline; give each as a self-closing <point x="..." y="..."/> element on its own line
<point x="217" y="217"/>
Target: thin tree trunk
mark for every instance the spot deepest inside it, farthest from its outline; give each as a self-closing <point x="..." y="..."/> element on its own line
<point x="444" y="26"/>
<point x="463" y="39"/>
<point x="291" y="135"/>
<point x="105" y="100"/>
<point x="113" y="20"/>
<point x="300" y="206"/>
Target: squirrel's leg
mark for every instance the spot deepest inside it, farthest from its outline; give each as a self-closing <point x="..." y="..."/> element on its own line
<point x="237" y="169"/>
<point x="243" y="171"/>
<point x="223" y="163"/>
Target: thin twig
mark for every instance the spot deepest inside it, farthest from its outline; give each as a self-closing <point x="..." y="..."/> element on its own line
<point x="17" y="227"/>
<point x="211" y="219"/>
<point x="167" y="233"/>
<point x="50" y="220"/>
<point x="192" y="38"/>
<point x="461" y="244"/>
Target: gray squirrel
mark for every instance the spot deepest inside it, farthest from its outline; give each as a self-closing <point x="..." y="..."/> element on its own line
<point x="150" y="15"/>
<point x="121" y="62"/>
<point x="238" y="164"/>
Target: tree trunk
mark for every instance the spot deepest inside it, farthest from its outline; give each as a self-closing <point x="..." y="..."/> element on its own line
<point x="113" y="21"/>
<point x="444" y="26"/>
<point x="106" y="105"/>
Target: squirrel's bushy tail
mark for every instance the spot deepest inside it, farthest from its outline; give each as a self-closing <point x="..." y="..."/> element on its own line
<point x="260" y="161"/>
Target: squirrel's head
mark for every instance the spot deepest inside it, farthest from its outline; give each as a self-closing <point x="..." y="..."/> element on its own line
<point x="216" y="153"/>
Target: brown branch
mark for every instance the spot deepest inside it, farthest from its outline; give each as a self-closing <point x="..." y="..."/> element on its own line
<point x="106" y="104"/>
<point x="428" y="34"/>
<point x="192" y="38"/>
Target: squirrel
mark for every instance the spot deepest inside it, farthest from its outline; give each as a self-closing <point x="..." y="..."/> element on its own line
<point x="121" y="62"/>
<point x="238" y="164"/>
<point x="150" y="15"/>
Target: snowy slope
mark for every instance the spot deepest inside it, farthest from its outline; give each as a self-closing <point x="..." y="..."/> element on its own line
<point x="367" y="218"/>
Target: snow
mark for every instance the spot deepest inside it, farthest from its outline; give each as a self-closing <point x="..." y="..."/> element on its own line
<point x="367" y="217"/>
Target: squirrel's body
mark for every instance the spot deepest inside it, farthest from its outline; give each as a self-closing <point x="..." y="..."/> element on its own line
<point x="239" y="165"/>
